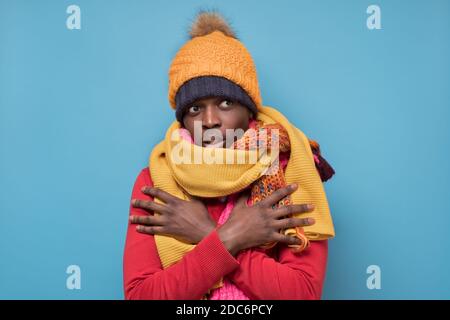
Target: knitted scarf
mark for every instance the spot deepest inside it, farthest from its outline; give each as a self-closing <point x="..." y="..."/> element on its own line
<point x="175" y="168"/>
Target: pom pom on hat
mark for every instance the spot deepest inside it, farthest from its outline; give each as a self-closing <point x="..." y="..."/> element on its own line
<point x="207" y="22"/>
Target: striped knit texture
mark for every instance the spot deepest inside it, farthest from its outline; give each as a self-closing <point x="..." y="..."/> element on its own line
<point x="214" y="54"/>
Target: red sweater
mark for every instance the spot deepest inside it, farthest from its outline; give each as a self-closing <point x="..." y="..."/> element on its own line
<point x="273" y="274"/>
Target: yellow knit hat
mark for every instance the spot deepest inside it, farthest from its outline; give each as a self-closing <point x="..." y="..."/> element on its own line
<point x="213" y="50"/>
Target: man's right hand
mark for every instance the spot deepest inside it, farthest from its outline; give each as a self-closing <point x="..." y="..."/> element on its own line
<point x="259" y="224"/>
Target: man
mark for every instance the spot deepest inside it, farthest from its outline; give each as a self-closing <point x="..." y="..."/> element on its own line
<point x="216" y="234"/>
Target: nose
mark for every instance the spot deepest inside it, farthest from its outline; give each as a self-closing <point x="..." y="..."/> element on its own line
<point x="211" y="118"/>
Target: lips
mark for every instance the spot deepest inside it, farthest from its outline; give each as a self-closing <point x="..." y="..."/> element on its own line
<point x="208" y="142"/>
<point x="211" y="144"/>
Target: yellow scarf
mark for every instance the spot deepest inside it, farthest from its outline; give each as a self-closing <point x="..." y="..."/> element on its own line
<point x="185" y="179"/>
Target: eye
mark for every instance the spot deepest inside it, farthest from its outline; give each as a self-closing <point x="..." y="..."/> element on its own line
<point x="226" y="104"/>
<point x="193" y="109"/>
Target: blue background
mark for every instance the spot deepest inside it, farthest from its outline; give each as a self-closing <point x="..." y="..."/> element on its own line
<point x="80" y="111"/>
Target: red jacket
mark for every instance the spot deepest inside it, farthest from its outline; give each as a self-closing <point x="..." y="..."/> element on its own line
<point x="273" y="274"/>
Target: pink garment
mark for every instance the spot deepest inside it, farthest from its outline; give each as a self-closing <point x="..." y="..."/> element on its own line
<point x="228" y="291"/>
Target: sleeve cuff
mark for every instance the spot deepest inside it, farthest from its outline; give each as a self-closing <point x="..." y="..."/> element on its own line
<point x="214" y="256"/>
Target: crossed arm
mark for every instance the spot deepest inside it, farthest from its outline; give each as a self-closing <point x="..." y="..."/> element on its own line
<point x="281" y="276"/>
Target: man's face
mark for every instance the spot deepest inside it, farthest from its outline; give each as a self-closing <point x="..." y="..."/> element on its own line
<point x="211" y="117"/>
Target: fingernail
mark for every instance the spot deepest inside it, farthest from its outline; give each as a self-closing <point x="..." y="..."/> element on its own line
<point x="311" y="221"/>
<point x="139" y="228"/>
<point x="133" y="202"/>
<point x="294" y="186"/>
<point x="131" y="218"/>
<point x="311" y="206"/>
<point x="143" y="188"/>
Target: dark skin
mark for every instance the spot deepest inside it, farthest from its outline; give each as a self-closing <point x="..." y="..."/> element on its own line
<point x="189" y="220"/>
